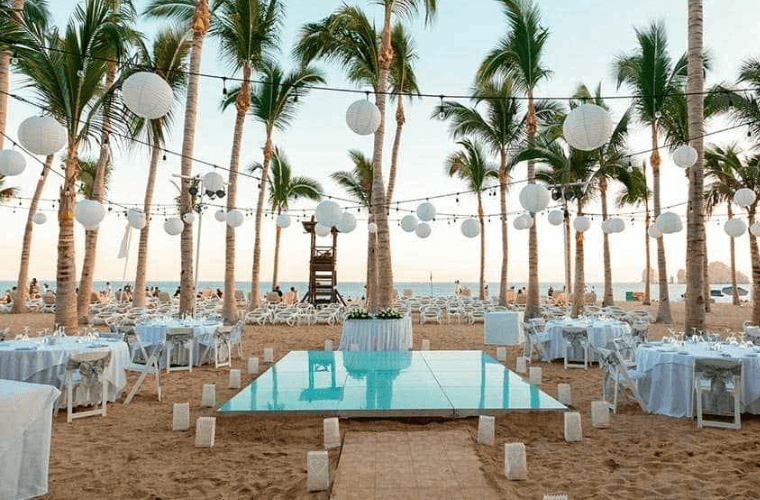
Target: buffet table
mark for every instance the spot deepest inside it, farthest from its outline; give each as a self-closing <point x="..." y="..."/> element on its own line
<point x="503" y="328"/>
<point x="600" y="332"/>
<point x="154" y="332"/>
<point x="377" y="334"/>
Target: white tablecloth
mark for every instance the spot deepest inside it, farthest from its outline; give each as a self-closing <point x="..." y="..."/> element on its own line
<point x="26" y="421"/>
<point x="599" y="333"/>
<point x="503" y="328"/>
<point x="155" y="333"/>
<point x="377" y="334"/>
<point x="667" y="388"/>
<point x="46" y="364"/>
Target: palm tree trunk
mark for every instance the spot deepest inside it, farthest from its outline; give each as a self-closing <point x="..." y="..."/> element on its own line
<point x="142" y="250"/>
<point x="256" y="271"/>
<point x="706" y="278"/>
<point x="580" y="276"/>
<point x="755" y="257"/>
<point x="400" y="120"/>
<point x="735" y="293"/>
<point x="648" y="279"/>
<point x="608" y="299"/>
<point x="371" y="297"/>
<point x="482" y="281"/>
<point x="22" y="287"/>
<point x="65" y="286"/>
<point x="532" y="305"/>
<point x="242" y="103"/>
<point x="278" y="229"/>
<point x="568" y="251"/>
<point x="663" y="313"/>
<point x="5" y="83"/>
<point x="504" y="226"/>
<point x="695" y="223"/>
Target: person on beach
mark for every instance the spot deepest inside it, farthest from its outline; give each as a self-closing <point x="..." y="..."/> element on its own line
<point x="550" y="293"/>
<point x="34" y="289"/>
<point x="107" y="291"/>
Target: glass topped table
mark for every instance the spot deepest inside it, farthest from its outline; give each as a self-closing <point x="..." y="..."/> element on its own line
<point x="388" y="383"/>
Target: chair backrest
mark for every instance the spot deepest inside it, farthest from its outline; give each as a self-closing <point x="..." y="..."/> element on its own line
<point x="714" y="369"/>
<point x="89" y="359"/>
<point x="625" y="348"/>
<point x="178" y="333"/>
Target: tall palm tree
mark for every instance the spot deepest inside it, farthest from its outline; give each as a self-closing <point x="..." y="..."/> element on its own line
<point x="519" y="56"/>
<point x="470" y="164"/>
<point x="248" y="32"/>
<point x="635" y="193"/>
<point x="171" y="48"/>
<point x="652" y="76"/>
<point x="284" y="188"/>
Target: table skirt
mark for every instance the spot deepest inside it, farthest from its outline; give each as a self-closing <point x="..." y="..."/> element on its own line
<point x="377" y="334"/>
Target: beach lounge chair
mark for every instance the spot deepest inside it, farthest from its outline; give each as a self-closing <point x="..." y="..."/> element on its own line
<point x="717" y="384"/>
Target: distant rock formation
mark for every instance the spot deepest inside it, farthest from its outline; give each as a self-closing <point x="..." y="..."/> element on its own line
<point x="719" y="273"/>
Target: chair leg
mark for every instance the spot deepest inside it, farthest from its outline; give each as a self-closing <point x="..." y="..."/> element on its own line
<point x="168" y="356"/>
<point x="70" y="397"/>
<point x="105" y="396"/>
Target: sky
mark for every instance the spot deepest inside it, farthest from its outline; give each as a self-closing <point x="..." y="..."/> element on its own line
<point x="586" y="35"/>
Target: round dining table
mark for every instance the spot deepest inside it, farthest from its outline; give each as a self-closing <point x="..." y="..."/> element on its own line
<point x="377" y="334"/>
<point x="600" y="333"/>
<point x="154" y="332"/>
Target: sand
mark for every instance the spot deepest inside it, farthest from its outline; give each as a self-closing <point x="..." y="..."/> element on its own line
<point x="133" y="454"/>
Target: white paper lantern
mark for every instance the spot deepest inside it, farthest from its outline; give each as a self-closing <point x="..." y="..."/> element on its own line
<point x="173" y="226"/>
<point x="616" y="225"/>
<point x="136" y="218"/>
<point x="755" y="229"/>
<point x="189" y="217"/>
<point x="235" y="218"/>
<point x="534" y="198"/>
<point x="582" y="224"/>
<point x="606" y="227"/>
<point x="744" y="197"/>
<point x="321" y="230"/>
<point x="213" y="182"/>
<point x="363" y="117"/>
<point x="283" y="220"/>
<point x="423" y="230"/>
<point x="556" y="217"/>
<point x="471" y="228"/>
<point x="11" y="162"/>
<point x="524" y="221"/>
<point x="89" y="213"/>
<point x="147" y="95"/>
<point x="735" y="227"/>
<point x="42" y="135"/>
<point x="347" y="223"/>
<point x="409" y="223"/>
<point x="39" y="218"/>
<point x="220" y="215"/>
<point x="426" y="211"/>
<point x="372" y="228"/>
<point x="587" y="127"/>
<point x="328" y="213"/>
<point x="139" y="223"/>
<point x="685" y="156"/>
<point x="654" y="231"/>
<point x="669" y="223"/>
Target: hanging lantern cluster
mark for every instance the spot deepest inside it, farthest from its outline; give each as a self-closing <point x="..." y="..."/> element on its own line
<point x="328" y="213"/>
<point x="426" y="211"/>
<point x="613" y="225"/>
<point x="423" y="230"/>
<point x="409" y="223"/>
<point x="524" y="221"/>
<point x="321" y="230"/>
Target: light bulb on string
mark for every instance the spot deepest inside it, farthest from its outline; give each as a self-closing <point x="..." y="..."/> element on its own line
<point x="224" y="86"/>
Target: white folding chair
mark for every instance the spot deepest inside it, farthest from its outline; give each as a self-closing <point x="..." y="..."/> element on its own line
<point x="613" y="369"/>
<point x="719" y="380"/>
<point x="575" y="337"/>
<point x="86" y="368"/>
<point x="533" y="343"/>
<point x="222" y="346"/>
<point x="236" y="338"/>
<point x="150" y="367"/>
<point x="180" y="338"/>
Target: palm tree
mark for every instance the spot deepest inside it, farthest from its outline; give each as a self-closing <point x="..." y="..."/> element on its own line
<point x="519" y="55"/>
<point x="169" y="55"/>
<point x="635" y="193"/>
<point x="471" y="165"/>
<point x="284" y="188"/>
<point x="6" y="193"/>
<point x="652" y="77"/>
<point x="248" y="31"/>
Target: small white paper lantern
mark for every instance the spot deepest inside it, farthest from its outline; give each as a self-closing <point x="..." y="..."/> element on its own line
<point x="371" y="228"/>
<point x="318" y="471"/>
<point x="616" y="225"/>
<point x="189" y="217"/>
<point x="363" y="117"/>
<point x="208" y="398"/>
<point x="283" y="220"/>
<point x="534" y="375"/>
<point x="522" y="364"/>
<point x="755" y="229"/>
<point x="181" y="417"/>
<point x="606" y="227"/>
<point x="136" y="218"/>
<point x="409" y="223"/>
<point x="423" y="230"/>
<point x="11" y="162"/>
<point x="331" y="429"/>
<point x="213" y="182"/>
<point x="564" y="395"/>
<point x="253" y="366"/>
<point x="328" y="213"/>
<point x="669" y="223"/>
<point x="524" y="221"/>
<point x="654" y="231"/>
<point x="735" y="227"/>
<point x="582" y="224"/>
<point x="173" y="226"/>
<point x="205" y="432"/>
<point x="501" y="354"/>
<point x="573" y="429"/>
<point x="220" y="215"/>
<point x="744" y="197"/>
<point x="685" y="156"/>
<point x="268" y="355"/>
<point x="234" y="379"/>
<point x="486" y="429"/>
<point x="515" y="462"/>
<point x="235" y="218"/>
<point x="328" y="345"/>
<point x="425" y="345"/>
<point x="322" y="230"/>
<point x="556" y="217"/>
<point x="42" y="135"/>
<point x="89" y="213"/>
<point x="39" y="218"/>
<point x="147" y="95"/>
<point x="470" y="228"/>
<point x="139" y="222"/>
<point x="600" y="414"/>
<point x="534" y="198"/>
<point x="426" y="211"/>
<point x="347" y="223"/>
<point x="587" y="127"/>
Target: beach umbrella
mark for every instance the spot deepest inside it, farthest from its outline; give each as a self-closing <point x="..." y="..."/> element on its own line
<point x="735" y="227"/>
<point x="470" y="228"/>
<point x="669" y="223"/>
<point x="685" y="156"/>
<point x="556" y="217"/>
<point x="347" y="223"/>
<point x="189" y="217"/>
<point x="147" y="95"/>
<point x="283" y="220"/>
<point x="744" y="197"/>
<point x="235" y="218"/>
<point x="39" y="218"/>
<point x="89" y="213"/>
<point x="173" y="226"/>
<point x="534" y="198"/>
<point x="328" y="213"/>
<point x="426" y="211"/>
<point x="11" y="162"/>
<point x="363" y="117"/>
<point x="423" y="230"/>
<point x="587" y="127"/>
<point x="322" y="230"/>
<point x="409" y="223"/>
<point x="220" y="215"/>
<point x="42" y="135"/>
<point x="582" y="224"/>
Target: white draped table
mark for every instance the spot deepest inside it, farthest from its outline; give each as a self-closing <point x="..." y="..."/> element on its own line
<point x="377" y="334"/>
<point x="26" y="423"/>
<point x="666" y="389"/>
<point x="600" y="332"/>
<point x="503" y="328"/>
<point x="152" y="333"/>
<point x="35" y="361"/>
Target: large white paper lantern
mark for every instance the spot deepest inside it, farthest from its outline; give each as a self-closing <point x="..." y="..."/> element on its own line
<point x="136" y="218"/>
<point x="587" y="127"/>
<point x="372" y="228"/>
<point x="213" y="182"/>
<point x="669" y="223"/>
<point x="556" y="217"/>
<point x="42" y="135"/>
<point x="283" y="220"/>
<point x="755" y="229"/>
<point x="423" y="230"/>
<point x="744" y="197"/>
<point x="735" y="227"/>
<point x="534" y="198"/>
<point x="322" y="230"/>
<point x="685" y="156"/>
<point x="89" y="213"/>
<point x="220" y="215"/>
<point x="328" y="213"/>
<point x="39" y="218"/>
<point x="471" y="228"/>
<point x="409" y="223"/>
<point x="11" y="162"/>
<point x="173" y="226"/>
<point x="363" y="117"/>
<point x="616" y="225"/>
<point x="347" y="223"/>
<point x="235" y="218"/>
<point x="426" y="211"/>
<point x="582" y="224"/>
<point x="189" y="217"/>
<point x="147" y="95"/>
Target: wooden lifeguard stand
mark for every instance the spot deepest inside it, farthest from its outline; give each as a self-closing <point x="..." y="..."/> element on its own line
<point x="322" y="275"/>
